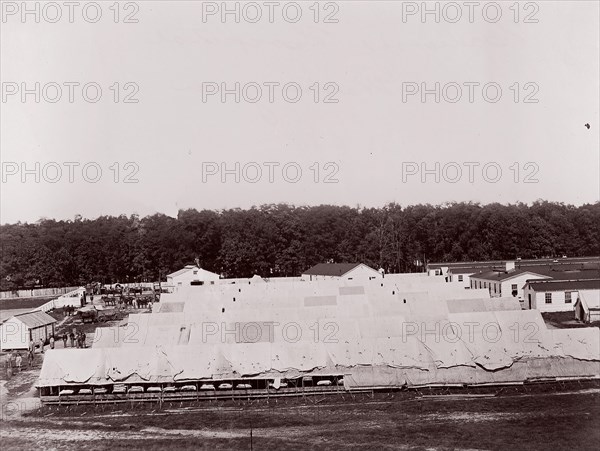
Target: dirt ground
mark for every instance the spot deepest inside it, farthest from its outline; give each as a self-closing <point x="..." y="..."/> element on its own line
<point x="17" y="388"/>
<point x="534" y="421"/>
<point x="400" y="421"/>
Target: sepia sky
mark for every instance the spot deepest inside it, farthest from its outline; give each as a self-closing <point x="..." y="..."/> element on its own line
<point x="368" y="148"/>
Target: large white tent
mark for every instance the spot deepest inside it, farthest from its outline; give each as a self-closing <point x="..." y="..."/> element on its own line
<point x="380" y="333"/>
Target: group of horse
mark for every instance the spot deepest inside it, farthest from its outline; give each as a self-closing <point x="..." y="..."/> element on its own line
<point x="133" y="301"/>
<point x="69" y="310"/>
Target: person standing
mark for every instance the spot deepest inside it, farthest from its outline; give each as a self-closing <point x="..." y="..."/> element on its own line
<point x="52" y="341"/>
<point x="30" y="351"/>
<point x="19" y="361"/>
<point x="12" y="359"/>
<point x="64" y="339"/>
<point x="72" y="338"/>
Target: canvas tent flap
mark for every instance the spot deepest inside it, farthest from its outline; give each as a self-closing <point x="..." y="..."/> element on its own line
<point x="385" y="332"/>
<point x="71" y="366"/>
<point x="302" y="356"/>
<point x="479" y="331"/>
<point x="524" y="333"/>
<point x="580" y="343"/>
<point x="400" y="352"/>
<point x="248" y="358"/>
<point x="123" y="363"/>
<point x="350" y="353"/>
<point x="374" y="376"/>
<point x="193" y="363"/>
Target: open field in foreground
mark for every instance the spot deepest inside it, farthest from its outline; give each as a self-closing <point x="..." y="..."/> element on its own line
<point x="535" y="421"/>
<point x="24" y="303"/>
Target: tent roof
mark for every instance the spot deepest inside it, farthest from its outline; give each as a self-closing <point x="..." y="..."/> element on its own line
<point x="170" y="307"/>
<point x="368" y="330"/>
<point x="591" y="299"/>
<point x="331" y="269"/>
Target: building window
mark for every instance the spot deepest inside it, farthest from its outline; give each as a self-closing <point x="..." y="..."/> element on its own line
<point x="484" y="284"/>
<point x="548" y="297"/>
<point x="513" y="287"/>
<point x="460" y="278"/>
<point x="567" y="297"/>
<point x="438" y="272"/>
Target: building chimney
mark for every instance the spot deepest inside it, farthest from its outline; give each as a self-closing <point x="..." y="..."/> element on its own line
<point x="510" y="266"/>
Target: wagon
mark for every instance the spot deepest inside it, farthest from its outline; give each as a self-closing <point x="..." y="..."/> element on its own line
<point x="92" y="315"/>
<point x="108" y="315"/>
<point x="88" y="315"/>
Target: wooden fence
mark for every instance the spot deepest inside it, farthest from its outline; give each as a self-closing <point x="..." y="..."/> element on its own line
<point x="35" y="292"/>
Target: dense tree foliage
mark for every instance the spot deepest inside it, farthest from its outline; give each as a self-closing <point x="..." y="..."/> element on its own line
<point x="283" y="240"/>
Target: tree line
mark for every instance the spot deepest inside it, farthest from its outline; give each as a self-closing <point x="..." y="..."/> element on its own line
<point x="285" y="240"/>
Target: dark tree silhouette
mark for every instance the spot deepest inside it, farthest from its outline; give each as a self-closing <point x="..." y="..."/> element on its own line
<point x="283" y="240"/>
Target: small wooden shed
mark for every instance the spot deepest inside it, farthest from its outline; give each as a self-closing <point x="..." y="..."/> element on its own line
<point x="18" y="330"/>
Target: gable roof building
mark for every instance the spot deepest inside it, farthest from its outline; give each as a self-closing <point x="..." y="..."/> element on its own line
<point x="564" y="285"/>
<point x="561" y="264"/>
<point x="557" y="295"/>
<point x="341" y="270"/>
<point x="191" y="275"/>
<point x="18" y="330"/>
<point x="587" y="307"/>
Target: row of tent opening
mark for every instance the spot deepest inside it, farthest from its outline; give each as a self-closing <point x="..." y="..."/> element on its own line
<point x="233" y="385"/>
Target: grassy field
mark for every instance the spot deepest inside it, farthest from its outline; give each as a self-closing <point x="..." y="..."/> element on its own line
<point x="562" y="320"/>
<point x="533" y="421"/>
<point x="9" y="304"/>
